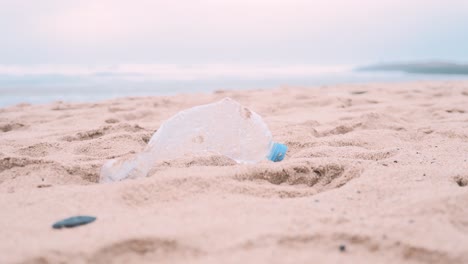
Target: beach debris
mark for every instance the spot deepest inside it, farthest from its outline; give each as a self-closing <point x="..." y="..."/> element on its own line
<point x="74" y="221"/>
<point x="224" y="128"/>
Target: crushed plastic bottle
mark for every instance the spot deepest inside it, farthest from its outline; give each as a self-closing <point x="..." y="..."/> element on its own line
<point x="221" y="128"/>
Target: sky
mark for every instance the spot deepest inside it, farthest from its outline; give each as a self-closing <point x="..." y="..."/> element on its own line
<point x="228" y="32"/>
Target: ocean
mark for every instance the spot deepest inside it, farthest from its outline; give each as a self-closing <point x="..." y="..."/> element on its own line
<point x="45" y="84"/>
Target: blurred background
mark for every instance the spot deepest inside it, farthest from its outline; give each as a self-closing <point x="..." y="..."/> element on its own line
<point x="96" y="49"/>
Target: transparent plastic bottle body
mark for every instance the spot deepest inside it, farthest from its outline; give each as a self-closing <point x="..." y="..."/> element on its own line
<point x="221" y="128"/>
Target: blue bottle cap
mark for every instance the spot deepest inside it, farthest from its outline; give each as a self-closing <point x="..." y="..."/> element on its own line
<point x="278" y="151"/>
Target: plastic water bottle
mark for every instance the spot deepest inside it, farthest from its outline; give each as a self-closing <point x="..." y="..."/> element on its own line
<point x="221" y="128"/>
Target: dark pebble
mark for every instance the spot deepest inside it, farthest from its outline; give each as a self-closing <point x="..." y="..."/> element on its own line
<point x="395" y="161"/>
<point x="74" y="221"/>
<point x="342" y="248"/>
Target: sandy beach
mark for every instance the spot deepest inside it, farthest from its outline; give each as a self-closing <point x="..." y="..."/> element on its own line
<point x="375" y="173"/>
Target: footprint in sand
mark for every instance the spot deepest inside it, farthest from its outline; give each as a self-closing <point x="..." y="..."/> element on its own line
<point x="7" y="127"/>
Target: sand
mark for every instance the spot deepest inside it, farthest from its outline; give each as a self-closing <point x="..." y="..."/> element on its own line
<point x="375" y="173"/>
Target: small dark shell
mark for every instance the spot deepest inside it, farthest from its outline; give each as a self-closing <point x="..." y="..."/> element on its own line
<point x="74" y="221"/>
<point x="342" y="248"/>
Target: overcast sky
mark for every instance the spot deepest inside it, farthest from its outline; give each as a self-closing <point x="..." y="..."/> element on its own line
<point x="94" y="32"/>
